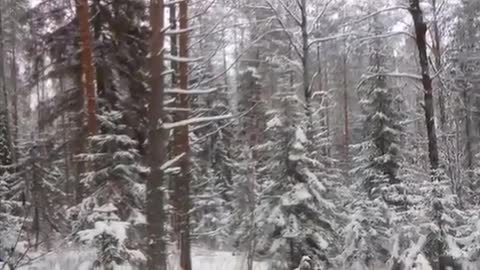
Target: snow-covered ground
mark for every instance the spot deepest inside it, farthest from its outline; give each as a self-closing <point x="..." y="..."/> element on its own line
<point x="202" y="260"/>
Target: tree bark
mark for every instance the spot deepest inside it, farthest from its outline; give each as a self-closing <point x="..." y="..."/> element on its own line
<point x="87" y="65"/>
<point x="157" y="137"/>
<point x="13" y="76"/>
<point x="174" y="83"/>
<point x="182" y="145"/>
<point x="437" y="53"/>
<point x="6" y="154"/>
<point x="420" y="31"/>
<point x="305" y="66"/>
<point x="346" y="128"/>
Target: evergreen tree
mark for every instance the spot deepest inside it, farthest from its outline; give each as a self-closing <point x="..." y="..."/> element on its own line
<point x="378" y="161"/>
<point x="108" y="236"/>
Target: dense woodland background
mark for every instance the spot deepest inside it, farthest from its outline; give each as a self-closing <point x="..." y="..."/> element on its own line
<point x="346" y="131"/>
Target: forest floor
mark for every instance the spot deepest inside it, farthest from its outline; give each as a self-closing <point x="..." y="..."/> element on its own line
<point x="83" y="260"/>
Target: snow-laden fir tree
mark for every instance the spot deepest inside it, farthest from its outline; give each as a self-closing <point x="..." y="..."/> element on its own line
<point x="464" y="80"/>
<point x="213" y="167"/>
<point x="5" y="147"/>
<point x="294" y="217"/>
<point x="380" y="155"/>
<point x="115" y="177"/>
<point x="108" y="237"/>
<point x="367" y="235"/>
<point x="378" y="159"/>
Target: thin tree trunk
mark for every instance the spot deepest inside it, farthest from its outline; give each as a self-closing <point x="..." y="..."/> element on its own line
<point x="468" y="130"/>
<point x="420" y="31"/>
<point x="175" y="200"/>
<point x="437" y="53"/>
<point x="327" y="104"/>
<point x="182" y="145"/>
<point x="173" y="42"/>
<point x="13" y="76"/>
<point x="305" y="65"/>
<point x="87" y="65"/>
<point x="4" y="101"/>
<point x="66" y="145"/>
<point x="346" y="128"/>
<point x="157" y="137"/>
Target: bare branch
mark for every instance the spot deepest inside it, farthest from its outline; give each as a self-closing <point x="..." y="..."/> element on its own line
<point x="319" y="15"/>
<point x="285" y="29"/>
<point x="240" y="55"/>
<point x="289" y="11"/>
<point x="388" y="9"/>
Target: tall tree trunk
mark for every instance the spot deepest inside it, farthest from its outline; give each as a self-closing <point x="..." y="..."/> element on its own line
<point x="175" y="200"/>
<point x="182" y="146"/>
<point x="346" y="128"/>
<point x="87" y="65"/>
<point x="13" y="78"/>
<point x="173" y="42"/>
<point x="468" y="130"/>
<point x="6" y="148"/>
<point x="437" y="53"/>
<point x="420" y="31"/>
<point x="305" y="66"/>
<point x="327" y="104"/>
<point x="66" y="144"/>
<point x="157" y="137"/>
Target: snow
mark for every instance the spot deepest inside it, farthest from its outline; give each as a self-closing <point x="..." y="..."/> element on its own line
<point x="196" y="120"/>
<point x="181" y="59"/>
<point x="169" y="163"/>
<point x="137" y="218"/>
<point x="191" y="91"/>
<point x="300" y="136"/>
<point x="77" y="259"/>
<point x="274" y="122"/>
<point x="296" y="196"/>
<point x="114" y="228"/>
<point x="107" y="208"/>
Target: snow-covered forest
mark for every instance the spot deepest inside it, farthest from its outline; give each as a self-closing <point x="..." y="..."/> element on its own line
<point x="240" y="134"/>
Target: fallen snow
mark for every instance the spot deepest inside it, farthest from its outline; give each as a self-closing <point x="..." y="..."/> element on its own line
<point x="202" y="260"/>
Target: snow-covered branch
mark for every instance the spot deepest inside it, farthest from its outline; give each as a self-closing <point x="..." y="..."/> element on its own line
<point x="191" y="92"/>
<point x="389" y="74"/>
<point x="240" y="55"/>
<point x="169" y="101"/>
<point x="174" y="58"/>
<point x="289" y="11"/>
<point x="172" y="2"/>
<point x="373" y="14"/>
<point x="387" y="35"/>
<point x="171" y="162"/>
<point x="329" y="38"/>
<point x="195" y="120"/>
<point x="285" y="30"/>
<point x="319" y="15"/>
<point x="225" y="125"/>
<point x="180" y="31"/>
